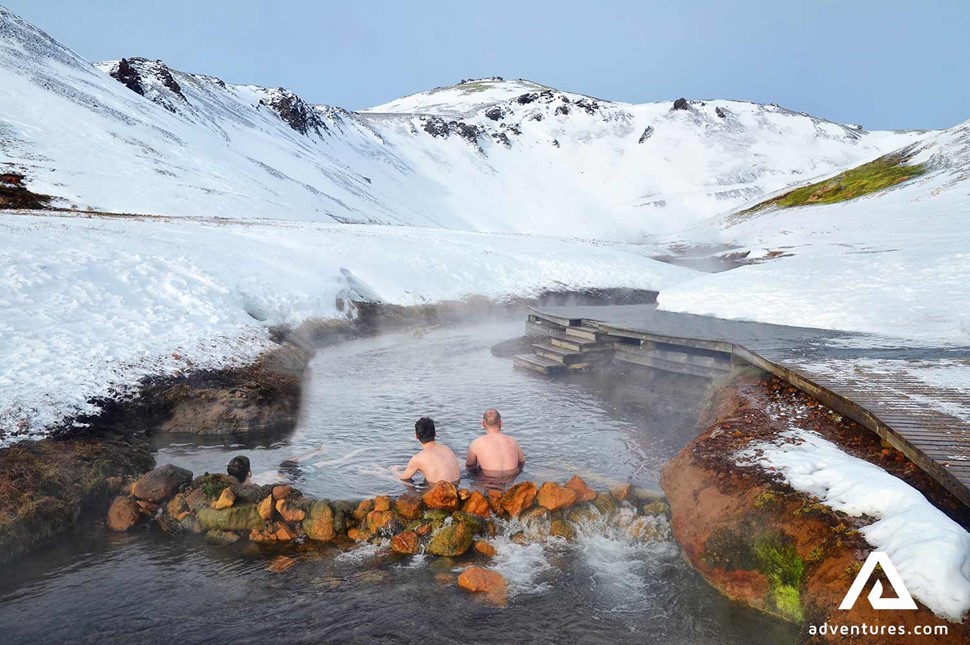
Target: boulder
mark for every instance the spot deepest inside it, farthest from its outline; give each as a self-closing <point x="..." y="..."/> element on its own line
<point x="283" y="532"/>
<point x="534" y="513"/>
<point x="605" y="504"/>
<point x="561" y="528"/>
<point x="123" y="514"/>
<point x="443" y="496"/>
<point x="553" y="496"/>
<point x="382" y="503"/>
<point x="485" y="548"/>
<point x="177" y="506"/>
<point x="379" y="520"/>
<point x="622" y="492"/>
<point x="221" y="537"/>
<point x="161" y="483"/>
<point x="681" y="104"/>
<point x="363" y="508"/>
<point x="289" y="511"/>
<point x="518" y="498"/>
<point x="476" y="504"/>
<point x="583" y="492"/>
<point x="659" y="508"/>
<point x="226" y="499"/>
<point x="265" y="508"/>
<point x="486" y="581"/>
<point x="494" y="498"/>
<point x="281" y="492"/>
<point x="405" y="543"/>
<point x="243" y="517"/>
<point x="423" y="529"/>
<point x="319" y="523"/>
<point x="408" y="506"/>
<point x="359" y="535"/>
<point x="148" y="508"/>
<point x="451" y="540"/>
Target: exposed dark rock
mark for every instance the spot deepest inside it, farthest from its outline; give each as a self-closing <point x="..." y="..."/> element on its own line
<point x="138" y="75"/>
<point x="681" y="104"/>
<point x="591" y="106"/>
<point x="720" y="112"/>
<point x="294" y="111"/>
<point x="563" y="110"/>
<point x="14" y="193"/>
<point x="494" y="113"/>
<point x="438" y="127"/>
<point x="647" y="133"/>
<point x="128" y="76"/>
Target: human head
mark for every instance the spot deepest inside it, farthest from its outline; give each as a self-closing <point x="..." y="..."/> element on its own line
<point x="239" y="468"/>
<point x="424" y="430"/>
<point x="492" y="419"/>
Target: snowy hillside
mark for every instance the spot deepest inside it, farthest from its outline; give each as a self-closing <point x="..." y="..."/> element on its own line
<point x="487" y="155"/>
<point x="896" y="261"/>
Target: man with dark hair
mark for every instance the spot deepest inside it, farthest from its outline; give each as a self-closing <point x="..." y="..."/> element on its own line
<point x="239" y="468"/>
<point x="435" y="461"/>
<point x="495" y="453"/>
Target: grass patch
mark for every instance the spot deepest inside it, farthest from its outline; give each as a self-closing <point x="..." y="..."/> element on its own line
<point x="866" y="179"/>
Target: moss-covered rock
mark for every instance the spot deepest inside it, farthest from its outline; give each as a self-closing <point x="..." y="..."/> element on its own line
<point x="319" y="524"/>
<point x="451" y="540"/>
<point x="243" y="517"/>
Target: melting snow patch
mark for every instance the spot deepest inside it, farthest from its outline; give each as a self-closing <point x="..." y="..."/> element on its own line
<point x="930" y="551"/>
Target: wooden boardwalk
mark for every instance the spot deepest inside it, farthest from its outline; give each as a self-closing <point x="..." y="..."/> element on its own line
<point x="877" y="381"/>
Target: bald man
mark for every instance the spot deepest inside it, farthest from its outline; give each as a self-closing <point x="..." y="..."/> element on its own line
<point x="494" y="452"/>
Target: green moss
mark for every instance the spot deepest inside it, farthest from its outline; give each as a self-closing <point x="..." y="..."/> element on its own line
<point x="767" y="498"/>
<point x="866" y="179"/>
<point x="787" y="601"/>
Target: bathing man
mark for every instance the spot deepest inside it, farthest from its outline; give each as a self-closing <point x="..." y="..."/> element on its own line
<point x="435" y="461"/>
<point x="495" y="452"/>
<point x="239" y="468"/>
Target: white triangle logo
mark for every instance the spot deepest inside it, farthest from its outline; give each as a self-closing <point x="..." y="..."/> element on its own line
<point x="903" y="599"/>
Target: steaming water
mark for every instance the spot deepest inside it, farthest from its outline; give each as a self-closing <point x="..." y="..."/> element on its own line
<point x="360" y="405"/>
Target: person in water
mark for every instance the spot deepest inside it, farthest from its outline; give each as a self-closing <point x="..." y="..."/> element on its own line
<point x="435" y="461"/>
<point x="495" y="452"/>
<point x="240" y="469"/>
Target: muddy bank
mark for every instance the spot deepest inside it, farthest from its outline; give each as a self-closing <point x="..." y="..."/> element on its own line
<point x="760" y="542"/>
<point x="46" y="487"/>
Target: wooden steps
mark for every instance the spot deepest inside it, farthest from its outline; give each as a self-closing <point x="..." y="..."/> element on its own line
<point x="586" y="333"/>
<point x="567" y="356"/>
<point x="538" y="364"/>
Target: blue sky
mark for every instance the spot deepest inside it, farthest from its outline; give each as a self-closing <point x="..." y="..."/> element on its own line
<point x="884" y="64"/>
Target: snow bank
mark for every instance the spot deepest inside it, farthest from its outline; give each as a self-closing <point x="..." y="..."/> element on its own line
<point x="930" y="551"/>
<point x="90" y="306"/>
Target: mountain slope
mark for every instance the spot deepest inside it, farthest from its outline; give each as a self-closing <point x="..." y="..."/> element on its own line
<point x="487" y="155"/>
<point x="895" y="261"/>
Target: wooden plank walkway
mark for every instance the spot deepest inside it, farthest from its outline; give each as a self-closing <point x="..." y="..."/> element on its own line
<point x="873" y="380"/>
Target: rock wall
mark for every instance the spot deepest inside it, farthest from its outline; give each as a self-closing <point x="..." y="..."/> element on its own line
<point x="761" y="543"/>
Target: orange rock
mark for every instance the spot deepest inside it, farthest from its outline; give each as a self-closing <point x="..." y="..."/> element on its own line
<point x="176" y="506"/>
<point x="284" y="532"/>
<point x="319" y="523"/>
<point x="226" y="499"/>
<point x="476" y="504"/>
<point x="553" y="496"/>
<point x="365" y="507"/>
<point x="359" y="535"/>
<point x="443" y="578"/>
<point x="382" y="503"/>
<point x="376" y="520"/>
<point x="281" y="492"/>
<point x="494" y="498"/>
<point x="479" y="580"/>
<point x="423" y="529"/>
<point x="408" y="506"/>
<point x="257" y="535"/>
<point x="147" y="507"/>
<point x="289" y="511"/>
<point x="519" y="498"/>
<point x="463" y="494"/>
<point x="444" y="495"/>
<point x="485" y="548"/>
<point x="405" y="543"/>
<point x="622" y="491"/>
<point x="265" y="508"/>
<point x="123" y="514"/>
<point x="583" y="492"/>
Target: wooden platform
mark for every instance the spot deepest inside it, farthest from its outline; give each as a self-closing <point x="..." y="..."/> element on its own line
<point x="870" y="379"/>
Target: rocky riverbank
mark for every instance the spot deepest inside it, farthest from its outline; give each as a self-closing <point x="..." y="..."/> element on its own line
<point x="445" y="521"/>
<point x="765" y="545"/>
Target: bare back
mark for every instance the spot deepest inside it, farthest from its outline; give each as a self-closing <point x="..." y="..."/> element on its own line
<point x="495" y="452"/>
<point x="436" y="462"/>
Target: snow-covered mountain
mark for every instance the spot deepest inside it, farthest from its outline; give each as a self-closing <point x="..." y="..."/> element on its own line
<point x="484" y="155"/>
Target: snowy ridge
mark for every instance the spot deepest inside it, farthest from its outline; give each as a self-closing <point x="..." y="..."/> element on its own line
<point x="486" y="155"/>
